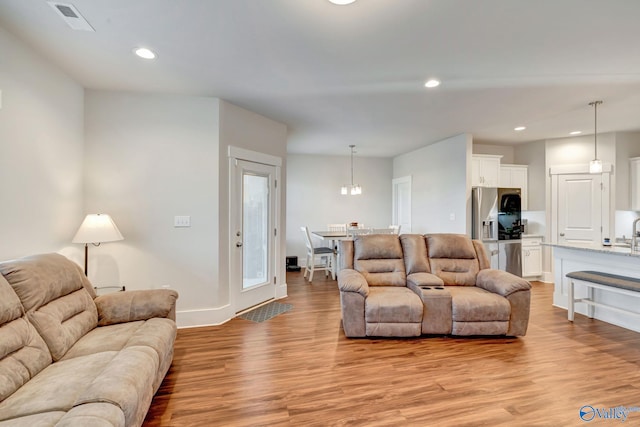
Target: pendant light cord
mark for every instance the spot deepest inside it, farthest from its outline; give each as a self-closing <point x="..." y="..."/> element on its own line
<point x="352" y="147"/>
<point x="595" y="126"/>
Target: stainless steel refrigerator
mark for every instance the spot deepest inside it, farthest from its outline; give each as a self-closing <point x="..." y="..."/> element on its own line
<point x="497" y="221"/>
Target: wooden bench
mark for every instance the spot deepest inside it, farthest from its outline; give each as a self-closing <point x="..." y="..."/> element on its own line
<point x="628" y="286"/>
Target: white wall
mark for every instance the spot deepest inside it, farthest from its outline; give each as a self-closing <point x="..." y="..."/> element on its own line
<point x="149" y="158"/>
<point x="41" y="137"/>
<point x="314" y="199"/>
<point x="532" y="154"/>
<point x="441" y="185"/>
<point x="506" y="151"/>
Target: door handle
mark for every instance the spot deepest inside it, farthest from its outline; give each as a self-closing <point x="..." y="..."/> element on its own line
<point x="238" y="244"/>
<point x="561" y="234"/>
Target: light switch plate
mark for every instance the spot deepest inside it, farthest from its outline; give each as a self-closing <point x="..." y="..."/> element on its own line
<point x="182" y="221"/>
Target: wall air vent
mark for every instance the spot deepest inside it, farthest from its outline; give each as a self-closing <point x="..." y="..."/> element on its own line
<point x="71" y="16"/>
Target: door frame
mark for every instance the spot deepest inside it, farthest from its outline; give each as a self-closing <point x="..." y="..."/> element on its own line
<point x="395" y="182"/>
<point x="234" y="154"/>
<point x="581" y="169"/>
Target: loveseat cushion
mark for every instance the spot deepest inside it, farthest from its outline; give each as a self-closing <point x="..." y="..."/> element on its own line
<point x="379" y="258"/>
<point x="391" y="304"/>
<point x="473" y="304"/>
<point x="453" y="258"/>
<point x="23" y="353"/>
<point x="53" y="291"/>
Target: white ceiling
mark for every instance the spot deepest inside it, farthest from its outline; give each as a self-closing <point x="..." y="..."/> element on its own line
<point x="340" y="75"/>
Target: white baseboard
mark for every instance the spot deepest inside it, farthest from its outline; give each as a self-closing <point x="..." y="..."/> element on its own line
<point x="215" y="316"/>
<point x="204" y="317"/>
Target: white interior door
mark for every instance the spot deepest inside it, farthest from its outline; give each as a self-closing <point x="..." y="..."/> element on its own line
<point x="253" y="233"/>
<point x="401" y="195"/>
<point x="580" y="205"/>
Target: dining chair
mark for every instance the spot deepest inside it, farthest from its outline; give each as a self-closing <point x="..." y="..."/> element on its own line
<point x="326" y="255"/>
<point x="337" y="227"/>
<point x="352" y="232"/>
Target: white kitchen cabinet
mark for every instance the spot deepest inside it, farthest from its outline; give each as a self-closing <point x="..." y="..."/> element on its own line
<point x="634" y="184"/>
<point x="485" y="170"/>
<point x="531" y="256"/>
<point x="516" y="176"/>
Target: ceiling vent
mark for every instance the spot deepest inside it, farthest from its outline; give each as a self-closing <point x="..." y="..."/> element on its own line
<point x="71" y="16"/>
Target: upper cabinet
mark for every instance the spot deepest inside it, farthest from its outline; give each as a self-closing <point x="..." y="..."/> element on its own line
<point x="485" y="170"/>
<point x="634" y="184"/>
<point x="515" y="176"/>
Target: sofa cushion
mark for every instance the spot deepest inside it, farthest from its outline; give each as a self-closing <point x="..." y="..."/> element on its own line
<point x="55" y="388"/>
<point x="453" y="259"/>
<point x="157" y="333"/>
<point x="414" y="248"/>
<point x="472" y="304"/>
<point x="43" y="419"/>
<point x="23" y="353"/>
<point x="53" y="291"/>
<point x="127" y="382"/>
<point x="379" y="258"/>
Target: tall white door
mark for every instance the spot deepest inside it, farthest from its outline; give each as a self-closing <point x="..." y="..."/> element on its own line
<point x="401" y="203"/>
<point x="253" y="190"/>
<point x="580" y="205"/>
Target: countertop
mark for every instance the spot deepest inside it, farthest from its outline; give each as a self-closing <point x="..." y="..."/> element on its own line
<point x="612" y="250"/>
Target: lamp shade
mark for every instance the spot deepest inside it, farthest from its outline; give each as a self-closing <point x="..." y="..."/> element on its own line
<point x="97" y="228"/>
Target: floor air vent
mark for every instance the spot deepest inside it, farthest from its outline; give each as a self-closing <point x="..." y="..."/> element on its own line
<point x="71" y="16"/>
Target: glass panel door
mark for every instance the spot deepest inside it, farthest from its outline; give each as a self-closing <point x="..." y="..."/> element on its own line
<point x="255" y="229"/>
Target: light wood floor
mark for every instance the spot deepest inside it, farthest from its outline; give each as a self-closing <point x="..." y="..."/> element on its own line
<point x="298" y="369"/>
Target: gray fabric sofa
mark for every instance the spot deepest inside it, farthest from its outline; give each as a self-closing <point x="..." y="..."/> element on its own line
<point x="69" y="358"/>
<point x="409" y="285"/>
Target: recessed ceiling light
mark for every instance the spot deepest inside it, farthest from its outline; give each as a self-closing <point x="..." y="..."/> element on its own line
<point x="432" y="83"/>
<point x="145" y="53"/>
<point x="575" y="132"/>
<point x="519" y="128"/>
<point x="342" y="2"/>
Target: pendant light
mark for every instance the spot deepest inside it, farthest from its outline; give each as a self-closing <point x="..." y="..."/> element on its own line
<point x="352" y="189"/>
<point x="595" y="165"/>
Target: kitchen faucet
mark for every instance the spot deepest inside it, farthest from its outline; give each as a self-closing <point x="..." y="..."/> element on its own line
<point x="634" y="237"/>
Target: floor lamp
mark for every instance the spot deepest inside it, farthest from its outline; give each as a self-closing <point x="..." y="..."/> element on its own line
<point x="96" y="229"/>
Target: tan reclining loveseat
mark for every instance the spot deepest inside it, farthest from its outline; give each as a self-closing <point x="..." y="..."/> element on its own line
<point x="408" y="285"/>
<point x="69" y="358"/>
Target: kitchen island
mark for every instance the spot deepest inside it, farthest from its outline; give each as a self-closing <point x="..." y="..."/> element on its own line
<point x="569" y="257"/>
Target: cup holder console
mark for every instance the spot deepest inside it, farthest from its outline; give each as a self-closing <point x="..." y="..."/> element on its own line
<point x="431" y="287"/>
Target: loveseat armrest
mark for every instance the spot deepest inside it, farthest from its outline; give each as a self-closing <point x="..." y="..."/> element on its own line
<point x="129" y="306"/>
<point x="352" y="281"/>
<point x="500" y="282"/>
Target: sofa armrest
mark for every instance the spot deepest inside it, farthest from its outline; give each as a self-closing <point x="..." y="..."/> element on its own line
<point x="352" y="281"/>
<point x="500" y="282"/>
<point x="129" y="306"/>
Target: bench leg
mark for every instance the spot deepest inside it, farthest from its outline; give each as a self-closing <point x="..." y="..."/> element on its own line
<point x="570" y="306"/>
<point x="591" y="309"/>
